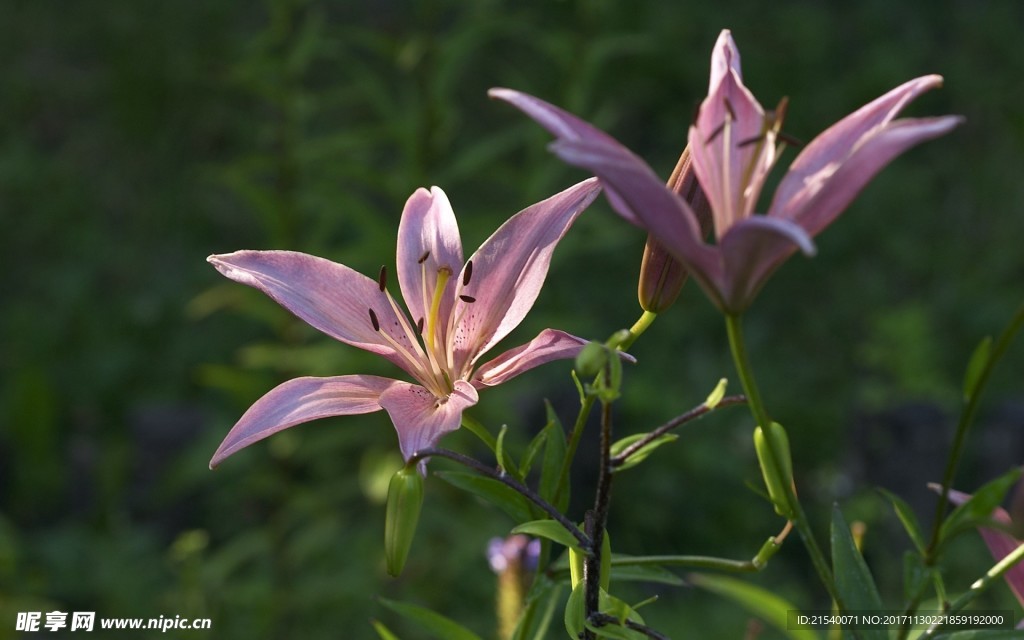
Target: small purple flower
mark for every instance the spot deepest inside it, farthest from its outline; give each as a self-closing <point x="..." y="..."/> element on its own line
<point x="734" y="143"/>
<point x="457" y="311"/>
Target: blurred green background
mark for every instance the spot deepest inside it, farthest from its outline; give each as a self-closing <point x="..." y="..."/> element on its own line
<point x="138" y="138"/>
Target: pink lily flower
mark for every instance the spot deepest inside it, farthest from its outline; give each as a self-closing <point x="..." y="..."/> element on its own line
<point x="734" y="143"/>
<point x="1000" y="543"/>
<point x="457" y="311"/>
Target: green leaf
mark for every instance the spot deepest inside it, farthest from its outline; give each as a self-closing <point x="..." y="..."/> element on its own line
<point x="549" y="529"/>
<point x="907" y="517"/>
<point x="554" y="457"/>
<point x="542" y="592"/>
<point x="383" y="632"/>
<point x="976" y="366"/>
<point x="430" y="621"/>
<point x="978" y="509"/>
<point x="575" y="611"/>
<point x="640" y="454"/>
<point x="915" y="576"/>
<point x="532" y="449"/>
<point x="645" y="573"/>
<point x="853" y="578"/>
<point x="494" y="491"/>
<point x="760" y="602"/>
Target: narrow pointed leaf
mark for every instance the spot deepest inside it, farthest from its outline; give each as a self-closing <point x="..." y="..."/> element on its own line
<point x="383" y="632"/>
<point x="432" y="622"/>
<point x="976" y="366"/>
<point x="532" y="449"/>
<point x="575" y="611"/>
<point x="907" y="517"/>
<point x="554" y="457"/>
<point x="853" y="578"/>
<point x="550" y="530"/>
<point x="762" y="603"/>
<point x="640" y="454"/>
<point x="978" y="508"/>
<point x="493" y="491"/>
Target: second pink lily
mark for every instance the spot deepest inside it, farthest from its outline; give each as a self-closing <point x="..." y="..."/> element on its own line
<point x="734" y="143"/>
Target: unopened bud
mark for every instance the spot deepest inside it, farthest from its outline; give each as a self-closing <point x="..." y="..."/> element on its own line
<point x="591" y="359"/>
<point x="777" y="480"/>
<point x="661" y="275"/>
<point x="405" y="497"/>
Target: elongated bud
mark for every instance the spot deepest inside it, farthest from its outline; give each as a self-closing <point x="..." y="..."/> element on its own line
<point x="405" y="497"/>
<point x="577" y="558"/>
<point x="778" y="485"/>
<point x="591" y="359"/>
<point x="661" y="275"/>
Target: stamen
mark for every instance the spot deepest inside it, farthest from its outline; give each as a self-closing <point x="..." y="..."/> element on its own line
<point x="467" y="273"/>
<point x="419" y="326"/>
<point x="714" y="134"/>
<point x="788" y="139"/>
<point x="374" y="321"/>
<point x="728" y="107"/>
<point x="382" y="278"/>
<point x="749" y="141"/>
<point x="469" y="299"/>
<point x="423" y="258"/>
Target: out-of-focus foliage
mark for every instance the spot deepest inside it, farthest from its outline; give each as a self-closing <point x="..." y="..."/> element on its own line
<point x="137" y="138"/>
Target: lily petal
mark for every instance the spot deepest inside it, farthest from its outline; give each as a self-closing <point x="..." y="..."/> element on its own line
<point x="509" y="269"/>
<point x="302" y="400"/>
<point x="565" y="126"/>
<point x="420" y="418"/>
<point x="641" y="195"/>
<point x="999" y="543"/>
<point x="731" y="150"/>
<point x="550" y="344"/>
<point x="828" y="192"/>
<point x="428" y="228"/>
<point x="870" y="133"/>
<point x="751" y="251"/>
<point x="329" y="296"/>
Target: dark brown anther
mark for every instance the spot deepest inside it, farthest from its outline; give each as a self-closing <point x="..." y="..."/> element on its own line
<point x="419" y="326"/>
<point x="728" y="107"/>
<point x="382" y="278"/>
<point x="467" y="299"/>
<point x="423" y="258"/>
<point x="714" y="134"/>
<point x="788" y="139"/>
<point x="374" y="321"/>
<point x="749" y="141"/>
<point x="467" y="273"/>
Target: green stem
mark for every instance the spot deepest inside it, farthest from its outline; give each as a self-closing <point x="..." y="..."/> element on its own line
<point x="638" y="329"/>
<point x="980" y="586"/>
<point x="963" y="426"/>
<point x="734" y="328"/>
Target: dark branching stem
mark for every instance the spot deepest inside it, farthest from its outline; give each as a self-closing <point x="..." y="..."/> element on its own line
<point x="596" y="519"/>
<point x="603" y="619"/>
<point x="678" y="421"/>
<point x="508" y="481"/>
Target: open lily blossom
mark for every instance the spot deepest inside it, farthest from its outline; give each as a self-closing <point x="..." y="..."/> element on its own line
<point x="455" y="311"/>
<point x="1000" y="544"/>
<point x="734" y="143"/>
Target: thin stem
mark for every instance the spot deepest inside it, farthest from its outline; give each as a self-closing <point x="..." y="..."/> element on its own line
<point x="597" y="518"/>
<point x="799" y="518"/>
<point x="508" y="481"/>
<point x="573" y="443"/>
<point x="641" y="325"/>
<point x="980" y="586"/>
<point x="679" y="420"/>
<point x="603" y="619"/>
<point x="963" y="426"/>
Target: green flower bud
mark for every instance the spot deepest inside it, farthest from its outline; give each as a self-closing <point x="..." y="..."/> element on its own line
<point x="778" y="485"/>
<point x="591" y="359"/>
<point x="405" y="497"/>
